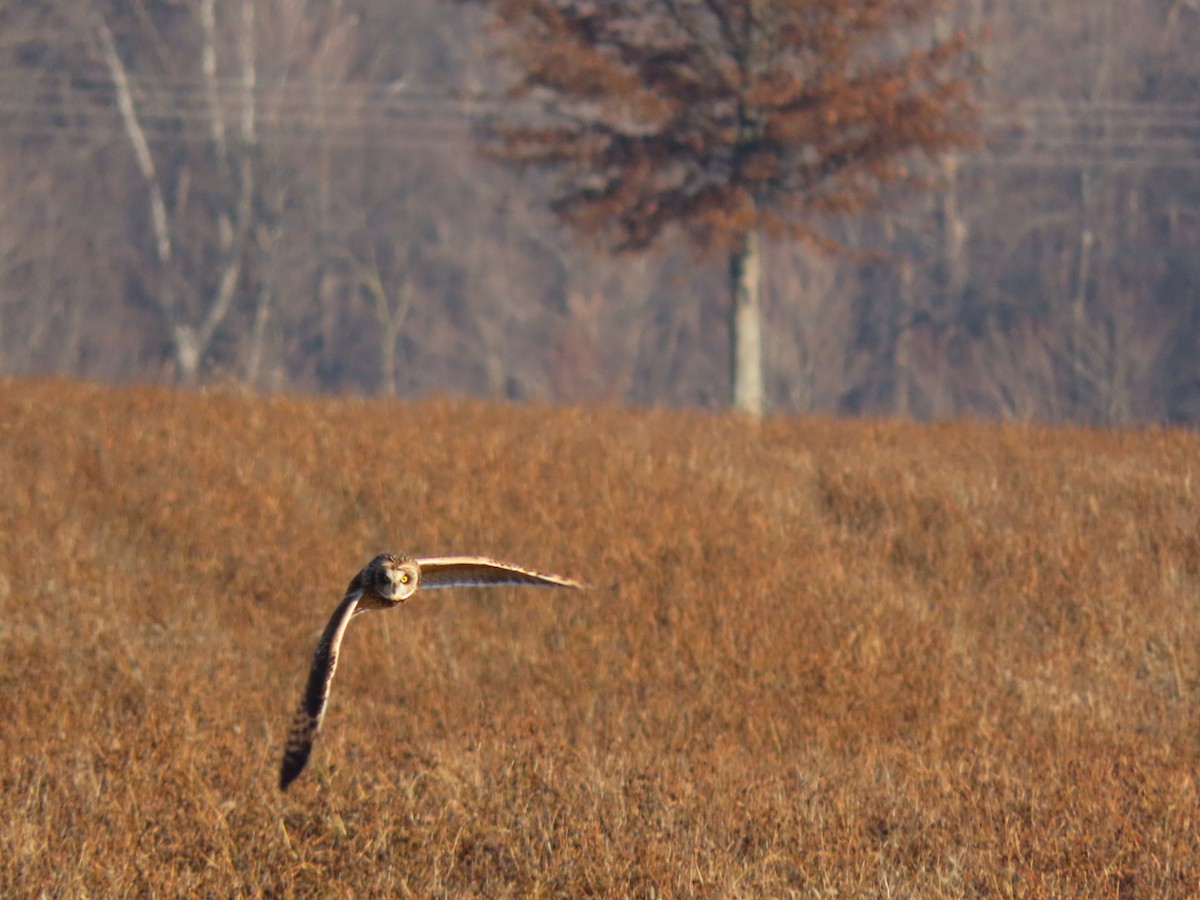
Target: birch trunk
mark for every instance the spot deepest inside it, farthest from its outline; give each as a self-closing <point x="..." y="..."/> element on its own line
<point x="193" y="334"/>
<point x="745" y="325"/>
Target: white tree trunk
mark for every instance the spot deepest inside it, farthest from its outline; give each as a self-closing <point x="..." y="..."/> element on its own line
<point x="191" y="340"/>
<point x="745" y="325"/>
<point x="145" y="162"/>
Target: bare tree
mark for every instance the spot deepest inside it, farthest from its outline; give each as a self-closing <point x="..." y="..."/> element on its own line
<point x="810" y="299"/>
<point x="1065" y="207"/>
<point x="193" y="325"/>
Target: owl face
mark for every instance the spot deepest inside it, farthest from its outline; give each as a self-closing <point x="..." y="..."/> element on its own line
<point x="395" y="578"/>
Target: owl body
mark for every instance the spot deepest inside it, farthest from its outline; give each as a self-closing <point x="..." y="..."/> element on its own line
<point x="390" y="579"/>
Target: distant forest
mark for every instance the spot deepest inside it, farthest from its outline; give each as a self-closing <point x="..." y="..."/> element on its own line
<point x="290" y="196"/>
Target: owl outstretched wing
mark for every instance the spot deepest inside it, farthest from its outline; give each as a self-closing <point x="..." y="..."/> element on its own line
<point x="435" y="572"/>
<point x="307" y="720"/>
<point x="467" y="571"/>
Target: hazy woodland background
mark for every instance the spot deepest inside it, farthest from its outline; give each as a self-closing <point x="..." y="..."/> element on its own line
<point x="331" y="227"/>
<point x="826" y="658"/>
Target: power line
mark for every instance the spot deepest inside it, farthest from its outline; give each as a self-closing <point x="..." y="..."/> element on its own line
<point x="1037" y="132"/>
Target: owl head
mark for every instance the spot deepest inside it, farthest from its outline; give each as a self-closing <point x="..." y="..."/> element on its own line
<point x="393" y="576"/>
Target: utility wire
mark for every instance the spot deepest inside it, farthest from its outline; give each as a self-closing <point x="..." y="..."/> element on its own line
<point x="1037" y="133"/>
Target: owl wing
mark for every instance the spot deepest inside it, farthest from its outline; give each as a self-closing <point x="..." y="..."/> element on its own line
<point x="467" y="571"/>
<point x="307" y="720"/>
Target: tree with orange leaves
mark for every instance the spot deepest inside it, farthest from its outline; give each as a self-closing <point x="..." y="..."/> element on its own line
<point x="730" y="119"/>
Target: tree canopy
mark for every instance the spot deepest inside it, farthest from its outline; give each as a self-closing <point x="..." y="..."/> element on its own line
<point x="724" y="116"/>
<point x="729" y="118"/>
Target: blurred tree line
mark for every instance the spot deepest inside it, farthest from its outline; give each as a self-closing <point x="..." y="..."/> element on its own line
<point x="289" y="195"/>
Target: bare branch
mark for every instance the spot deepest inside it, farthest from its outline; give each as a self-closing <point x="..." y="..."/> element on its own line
<point x="208" y="68"/>
<point x="141" y="152"/>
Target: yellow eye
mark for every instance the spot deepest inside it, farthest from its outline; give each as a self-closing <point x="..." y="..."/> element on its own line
<point x="404" y="578"/>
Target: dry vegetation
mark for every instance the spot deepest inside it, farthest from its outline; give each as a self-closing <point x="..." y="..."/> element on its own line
<point x="829" y="658"/>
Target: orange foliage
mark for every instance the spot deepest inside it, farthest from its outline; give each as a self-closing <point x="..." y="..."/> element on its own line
<point x="690" y="114"/>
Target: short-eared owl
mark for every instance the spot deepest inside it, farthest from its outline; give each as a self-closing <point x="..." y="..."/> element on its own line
<point x="389" y="579"/>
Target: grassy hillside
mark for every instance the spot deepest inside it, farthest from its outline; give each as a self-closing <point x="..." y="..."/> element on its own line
<point x="823" y="657"/>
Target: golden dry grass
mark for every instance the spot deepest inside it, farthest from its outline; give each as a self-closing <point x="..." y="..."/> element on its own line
<point x="827" y="658"/>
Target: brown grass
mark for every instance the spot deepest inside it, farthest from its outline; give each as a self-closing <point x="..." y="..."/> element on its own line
<point x="827" y="658"/>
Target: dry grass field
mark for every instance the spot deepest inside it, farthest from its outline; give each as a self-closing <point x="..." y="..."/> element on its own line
<point x="823" y="658"/>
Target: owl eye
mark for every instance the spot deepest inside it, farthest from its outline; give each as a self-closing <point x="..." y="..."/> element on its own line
<point x="404" y="578"/>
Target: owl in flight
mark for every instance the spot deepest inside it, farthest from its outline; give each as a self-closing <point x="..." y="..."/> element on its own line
<point x="390" y="579"/>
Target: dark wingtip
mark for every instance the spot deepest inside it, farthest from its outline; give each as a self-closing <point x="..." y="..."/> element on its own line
<point x="293" y="765"/>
